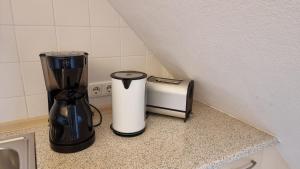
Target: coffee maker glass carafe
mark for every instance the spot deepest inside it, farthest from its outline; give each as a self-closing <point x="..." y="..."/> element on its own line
<point x="70" y="116"/>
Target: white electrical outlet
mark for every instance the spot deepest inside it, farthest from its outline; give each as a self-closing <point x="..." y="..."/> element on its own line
<point x="95" y="89"/>
<point x="106" y="89"/>
<point x="99" y="89"/>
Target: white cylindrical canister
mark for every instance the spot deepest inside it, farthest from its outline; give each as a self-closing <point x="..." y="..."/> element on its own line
<point x="128" y="103"/>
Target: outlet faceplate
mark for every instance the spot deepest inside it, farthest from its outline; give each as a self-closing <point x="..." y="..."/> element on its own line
<point x="94" y="89"/>
<point x="99" y="89"/>
<point x="106" y="89"/>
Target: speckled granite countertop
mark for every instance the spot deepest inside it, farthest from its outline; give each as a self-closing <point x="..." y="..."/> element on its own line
<point x="209" y="139"/>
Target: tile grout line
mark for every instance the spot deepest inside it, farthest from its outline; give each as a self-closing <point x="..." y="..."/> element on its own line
<point x="83" y="26"/>
<point x="54" y="24"/>
<point x="19" y="59"/>
<point x="90" y="29"/>
<point x="19" y="96"/>
<point x="121" y="47"/>
<point x="120" y="41"/>
<point x="148" y="67"/>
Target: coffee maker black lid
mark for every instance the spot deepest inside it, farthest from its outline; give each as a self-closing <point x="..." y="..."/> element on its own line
<point x="66" y="59"/>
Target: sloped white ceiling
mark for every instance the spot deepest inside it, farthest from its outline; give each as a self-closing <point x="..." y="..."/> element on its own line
<point x="243" y="54"/>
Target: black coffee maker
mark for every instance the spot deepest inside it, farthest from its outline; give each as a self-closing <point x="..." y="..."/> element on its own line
<point x="70" y="116"/>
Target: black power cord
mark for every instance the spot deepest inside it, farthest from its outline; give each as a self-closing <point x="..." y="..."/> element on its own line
<point x="100" y="115"/>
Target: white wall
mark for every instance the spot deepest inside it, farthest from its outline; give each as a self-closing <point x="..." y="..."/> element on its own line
<point x="244" y="56"/>
<point x="30" y="27"/>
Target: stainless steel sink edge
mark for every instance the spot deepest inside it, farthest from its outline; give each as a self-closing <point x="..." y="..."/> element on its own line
<point x="24" y="145"/>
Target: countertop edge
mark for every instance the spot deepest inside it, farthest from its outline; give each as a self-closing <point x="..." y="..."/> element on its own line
<point x="241" y="154"/>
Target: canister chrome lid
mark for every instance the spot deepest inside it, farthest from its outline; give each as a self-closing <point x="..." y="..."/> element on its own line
<point x="128" y="75"/>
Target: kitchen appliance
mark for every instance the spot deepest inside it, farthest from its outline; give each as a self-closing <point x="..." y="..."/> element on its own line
<point x="70" y="117"/>
<point x="170" y="96"/>
<point x="128" y="103"/>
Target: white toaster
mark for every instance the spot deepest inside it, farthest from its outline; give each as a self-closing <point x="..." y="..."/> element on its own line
<point x="169" y="96"/>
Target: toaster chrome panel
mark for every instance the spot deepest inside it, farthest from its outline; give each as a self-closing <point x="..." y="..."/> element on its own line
<point x="169" y="96"/>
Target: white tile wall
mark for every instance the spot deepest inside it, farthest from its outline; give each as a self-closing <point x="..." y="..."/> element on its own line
<point x="33" y="78"/>
<point x="131" y="44"/>
<point x="32" y="12"/>
<point x="123" y="22"/>
<point x="74" y="38"/>
<point x="101" y="68"/>
<point x="71" y="12"/>
<point x="30" y="27"/>
<point x="134" y="63"/>
<point x="11" y="82"/>
<point x="5" y="12"/>
<point x="155" y="68"/>
<point x="32" y="40"/>
<point x="106" y="42"/>
<point x="102" y="14"/>
<point x="8" y="48"/>
<point x="12" y="108"/>
<point x="37" y="105"/>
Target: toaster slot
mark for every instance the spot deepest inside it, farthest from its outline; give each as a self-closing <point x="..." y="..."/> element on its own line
<point x="164" y="80"/>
